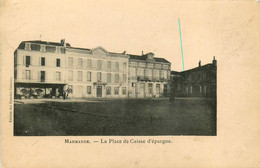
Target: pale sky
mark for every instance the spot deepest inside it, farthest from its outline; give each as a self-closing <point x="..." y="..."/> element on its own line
<point x="208" y="28"/>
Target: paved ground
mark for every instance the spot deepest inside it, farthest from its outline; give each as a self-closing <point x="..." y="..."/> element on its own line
<point x="114" y="117"/>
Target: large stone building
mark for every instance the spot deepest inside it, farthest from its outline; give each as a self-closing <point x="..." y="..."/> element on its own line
<point x="197" y="82"/>
<point x="51" y="70"/>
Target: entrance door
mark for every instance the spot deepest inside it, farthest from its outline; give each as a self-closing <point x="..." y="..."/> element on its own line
<point x="99" y="91"/>
<point x="133" y="89"/>
<point x="142" y="90"/>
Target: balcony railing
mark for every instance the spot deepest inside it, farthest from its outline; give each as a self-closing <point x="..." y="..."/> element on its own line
<point x="152" y="79"/>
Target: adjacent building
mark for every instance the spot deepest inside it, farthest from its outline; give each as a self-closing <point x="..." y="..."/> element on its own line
<point x="148" y="76"/>
<point x="51" y="70"/>
<point x="197" y="82"/>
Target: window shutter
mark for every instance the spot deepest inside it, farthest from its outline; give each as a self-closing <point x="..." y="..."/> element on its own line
<point x="39" y="76"/>
<point x="31" y="77"/>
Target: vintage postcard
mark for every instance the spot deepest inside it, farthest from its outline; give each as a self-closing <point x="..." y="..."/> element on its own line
<point x="130" y="83"/>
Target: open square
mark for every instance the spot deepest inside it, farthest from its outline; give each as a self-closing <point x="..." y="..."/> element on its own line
<point x="114" y="117"/>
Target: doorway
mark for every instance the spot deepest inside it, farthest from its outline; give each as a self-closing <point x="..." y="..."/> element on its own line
<point x="99" y="91"/>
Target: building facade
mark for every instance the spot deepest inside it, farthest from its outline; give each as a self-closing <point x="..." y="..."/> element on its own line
<point x="96" y="72"/>
<point x="197" y="82"/>
<point x="148" y="76"/>
<point x="51" y="70"/>
<point x="39" y="69"/>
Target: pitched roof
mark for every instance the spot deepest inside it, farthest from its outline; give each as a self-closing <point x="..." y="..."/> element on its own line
<point x="46" y="43"/>
<point x="203" y="67"/>
<point x="86" y="49"/>
<point x="144" y="57"/>
<point x="175" y="73"/>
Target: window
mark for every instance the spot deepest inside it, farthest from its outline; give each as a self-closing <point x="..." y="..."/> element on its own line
<point x="124" y="90"/>
<point x="58" y="76"/>
<point x="89" y="63"/>
<point x="117" y="66"/>
<point x="116" y="90"/>
<point x="108" y="90"/>
<point x="156" y="73"/>
<point x="35" y="47"/>
<point x="108" y="77"/>
<point x="42" y="76"/>
<point x="116" y="78"/>
<point x="50" y="49"/>
<point x="124" y="78"/>
<point x="88" y="89"/>
<point x="99" y="64"/>
<point x="28" y="61"/>
<point x="200" y="89"/>
<point x="80" y="63"/>
<point x="149" y="72"/>
<point x="124" y="66"/>
<point x="42" y="61"/>
<point x="89" y="76"/>
<point x="205" y="89"/>
<point x="27" y="74"/>
<point x="190" y="89"/>
<point x="150" y="88"/>
<point x="27" y="47"/>
<point x="80" y="75"/>
<point x="99" y="77"/>
<point x="165" y="74"/>
<point x="132" y="71"/>
<point x="140" y="71"/>
<point x="57" y="62"/>
<point x="70" y="62"/>
<point x="109" y="65"/>
<point x="70" y="75"/>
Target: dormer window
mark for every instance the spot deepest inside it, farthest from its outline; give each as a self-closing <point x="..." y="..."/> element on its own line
<point x="35" y="47"/>
<point x="27" y="46"/>
<point x="150" y="56"/>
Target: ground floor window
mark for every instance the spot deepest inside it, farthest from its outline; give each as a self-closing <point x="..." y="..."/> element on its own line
<point x="157" y="89"/>
<point x="116" y="91"/>
<point x="89" y="89"/>
<point x="108" y="90"/>
<point x="124" y="90"/>
<point x="150" y="88"/>
<point x="27" y="74"/>
<point x="190" y="89"/>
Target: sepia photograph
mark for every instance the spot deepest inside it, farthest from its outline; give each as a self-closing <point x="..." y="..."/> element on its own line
<point x="127" y="83"/>
<point x="64" y="90"/>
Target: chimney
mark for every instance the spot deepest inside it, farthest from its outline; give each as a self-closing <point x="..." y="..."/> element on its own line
<point x="199" y="63"/>
<point x="62" y="41"/>
<point x="142" y="52"/>
<point x="214" y="61"/>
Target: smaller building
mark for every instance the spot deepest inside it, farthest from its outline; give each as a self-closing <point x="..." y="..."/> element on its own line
<point x="197" y="82"/>
<point x="149" y="76"/>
